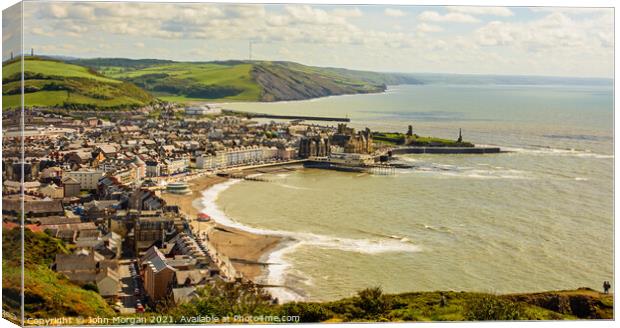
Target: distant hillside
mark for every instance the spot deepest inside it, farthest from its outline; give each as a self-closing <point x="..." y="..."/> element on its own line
<point x="47" y="294"/>
<point x="242" y="80"/>
<point x="55" y="83"/>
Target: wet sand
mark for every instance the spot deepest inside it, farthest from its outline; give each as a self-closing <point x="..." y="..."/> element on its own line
<point x="246" y="250"/>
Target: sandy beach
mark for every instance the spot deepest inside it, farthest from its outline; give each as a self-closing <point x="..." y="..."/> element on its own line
<point x="246" y="250"/>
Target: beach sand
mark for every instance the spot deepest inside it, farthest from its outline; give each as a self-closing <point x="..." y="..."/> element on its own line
<point x="245" y="249"/>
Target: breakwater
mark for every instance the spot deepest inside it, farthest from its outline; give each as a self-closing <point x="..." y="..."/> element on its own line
<point x="287" y="117"/>
<point x="445" y="150"/>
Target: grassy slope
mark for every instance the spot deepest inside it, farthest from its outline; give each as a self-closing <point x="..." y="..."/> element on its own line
<point x="54" y="83"/>
<point x="238" y="76"/>
<point x="47" y="293"/>
<point x="52" y="68"/>
<point x="460" y="306"/>
<point x="246" y="81"/>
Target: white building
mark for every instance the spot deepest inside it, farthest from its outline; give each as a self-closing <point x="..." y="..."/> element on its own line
<point x="241" y="156"/>
<point x="203" y="110"/>
<point x="174" y="166"/>
<point x="87" y="178"/>
<point x="351" y="159"/>
<point x="211" y="162"/>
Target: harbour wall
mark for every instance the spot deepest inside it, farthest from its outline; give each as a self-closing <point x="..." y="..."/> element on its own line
<point x="446" y="150"/>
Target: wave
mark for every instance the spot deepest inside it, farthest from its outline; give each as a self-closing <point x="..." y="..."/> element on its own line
<point x="288" y="186"/>
<point x="548" y="151"/>
<point x="277" y="272"/>
<point x="481" y="172"/>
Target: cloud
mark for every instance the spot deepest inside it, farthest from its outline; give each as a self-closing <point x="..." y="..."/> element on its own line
<point x="575" y="11"/>
<point x="394" y="12"/>
<point x="474" y="10"/>
<point x="555" y="31"/>
<point x="558" y="42"/>
<point x="293" y="23"/>
<point x="347" y="12"/>
<point x="428" y="28"/>
<point x="451" y="17"/>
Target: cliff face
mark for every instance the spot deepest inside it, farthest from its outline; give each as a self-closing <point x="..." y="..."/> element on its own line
<point x="279" y="84"/>
<point x="290" y="81"/>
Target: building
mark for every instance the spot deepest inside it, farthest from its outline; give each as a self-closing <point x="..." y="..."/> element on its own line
<point x="180" y="188"/>
<point x="352" y="142"/>
<point x="108" y="282"/>
<point x="203" y="110"/>
<point x="32" y="208"/>
<point x="87" y="178"/>
<point x="314" y="146"/>
<point x="158" y="275"/>
<point x="156" y="229"/>
<point x="71" y="187"/>
<point x="153" y="169"/>
<point x="86" y="266"/>
<point x="351" y="159"/>
<point x="127" y="175"/>
<point x="53" y="191"/>
<point x="175" y="166"/>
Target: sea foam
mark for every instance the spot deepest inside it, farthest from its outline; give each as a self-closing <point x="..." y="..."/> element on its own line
<point x="277" y="271"/>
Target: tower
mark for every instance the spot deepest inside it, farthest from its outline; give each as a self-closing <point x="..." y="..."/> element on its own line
<point x="31" y="52"/>
<point x="460" y="139"/>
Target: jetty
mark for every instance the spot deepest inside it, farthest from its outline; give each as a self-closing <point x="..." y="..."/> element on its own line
<point x="287" y="117"/>
<point x="444" y="150"/>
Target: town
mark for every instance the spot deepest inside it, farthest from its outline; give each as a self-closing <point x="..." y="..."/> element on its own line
<point x="97" y="185"/>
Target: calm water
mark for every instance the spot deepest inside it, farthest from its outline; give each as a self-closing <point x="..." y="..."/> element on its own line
<point x="537" y="218"/>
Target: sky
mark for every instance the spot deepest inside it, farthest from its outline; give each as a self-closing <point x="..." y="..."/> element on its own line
<point x="459" y="39"/>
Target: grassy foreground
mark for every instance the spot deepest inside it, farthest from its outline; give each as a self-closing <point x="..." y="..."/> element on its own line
<point x="372" y="305"/>
<point x="50" y="295"/>
<point x="47" y="293"/>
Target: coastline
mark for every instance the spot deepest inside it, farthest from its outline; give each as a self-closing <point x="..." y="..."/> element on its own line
<point x="247" y="251"/>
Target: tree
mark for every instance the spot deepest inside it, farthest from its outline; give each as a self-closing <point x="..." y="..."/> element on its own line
<point x="372" y="302"/>
<point x="224" y="298"/>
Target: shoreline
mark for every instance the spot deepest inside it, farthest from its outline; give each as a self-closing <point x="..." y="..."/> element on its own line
<point x="246" y="250"/>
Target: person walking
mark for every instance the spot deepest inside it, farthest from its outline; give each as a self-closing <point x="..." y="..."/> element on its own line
<point x="606" y="286"/>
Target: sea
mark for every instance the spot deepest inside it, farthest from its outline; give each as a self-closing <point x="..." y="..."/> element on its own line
<point x="536" y="217"/>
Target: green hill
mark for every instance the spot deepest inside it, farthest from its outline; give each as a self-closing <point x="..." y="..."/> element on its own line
<point x="242" y="80"/>
<point x="57" y="84"/>
<point x="47" y="294"/>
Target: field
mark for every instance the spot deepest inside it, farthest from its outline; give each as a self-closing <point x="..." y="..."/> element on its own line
<point x="52" y="83"/>
<point x="193" y="81"/>
<point x="52" y="68"/>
